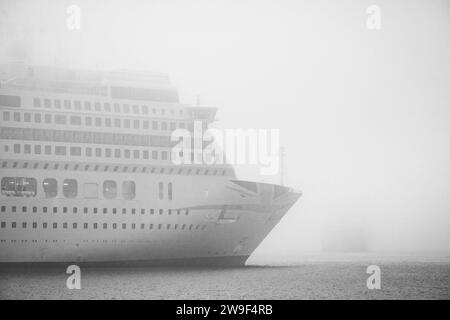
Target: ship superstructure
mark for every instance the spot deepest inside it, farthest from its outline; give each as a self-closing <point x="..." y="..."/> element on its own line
<point x="87" y="176"/>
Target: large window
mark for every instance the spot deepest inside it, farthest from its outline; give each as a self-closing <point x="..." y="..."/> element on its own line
<point x="19" y="186"/>
<point x="9" y="101"/>
<point x="60" y="119"/>
<point x="161" y="191"/>
<point x="109" y="189"/>
<point x="70" y="188"/>
<point x="60" y="150"/>
<point x="50" y="186"/>
<point x="75" y="151"/>
<point x="170" y="190"/>
<point x="75" y="120"/>
<point x="37" y="102"/>
<point x="128" y="190"/>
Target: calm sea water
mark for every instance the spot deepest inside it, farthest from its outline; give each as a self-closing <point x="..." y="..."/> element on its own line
<point x="305" y="277"/>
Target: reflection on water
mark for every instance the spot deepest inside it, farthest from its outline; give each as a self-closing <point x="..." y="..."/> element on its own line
<point x="308" y="277"/>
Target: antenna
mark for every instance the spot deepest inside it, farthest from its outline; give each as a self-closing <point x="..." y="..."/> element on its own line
<point x="282" y="165"/>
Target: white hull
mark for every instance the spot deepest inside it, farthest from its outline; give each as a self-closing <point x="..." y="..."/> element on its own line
<point x="237" y="231"/>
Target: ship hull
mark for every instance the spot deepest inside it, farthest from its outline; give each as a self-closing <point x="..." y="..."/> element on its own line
<point x="215" y="221"/>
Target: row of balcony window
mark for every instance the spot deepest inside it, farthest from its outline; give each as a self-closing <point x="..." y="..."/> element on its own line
<point x="76" y="120"/>
<point x="98" y="152"/>
<point x="97" y="106"/>
<point x="28" y="187"/>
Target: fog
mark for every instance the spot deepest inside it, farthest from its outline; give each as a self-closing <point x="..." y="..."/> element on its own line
<point x="364" y="115"/>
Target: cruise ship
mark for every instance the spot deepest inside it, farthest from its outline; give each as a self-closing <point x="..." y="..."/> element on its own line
<point x="87" y="176"/>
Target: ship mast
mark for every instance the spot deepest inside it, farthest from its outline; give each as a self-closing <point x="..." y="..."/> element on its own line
<point x="282" y="165"/>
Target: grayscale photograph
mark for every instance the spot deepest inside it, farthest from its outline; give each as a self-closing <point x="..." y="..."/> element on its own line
<point x="224" y="151"/>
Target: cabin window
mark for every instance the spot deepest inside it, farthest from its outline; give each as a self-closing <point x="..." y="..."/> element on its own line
<point x="60" y="119"/>
<point x="37" y="102"/>
<point x="128" y="190"/>
<point x="60" y="150"/>
<point x="67" y="104"/>
<point x="19" y="187"/>
<point x="109" y="189"/>
<point x="75" y="151"/>
<point x="170" y="190"/>
<point x="48" y="118"/>
<point x="70" y="188"/>
<point x="161" y="191"/>
<point x="6" y="115"/>
<point x="75" y="120"/>
<point x="37" y="117"/>
<point x="37" y="149"/>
